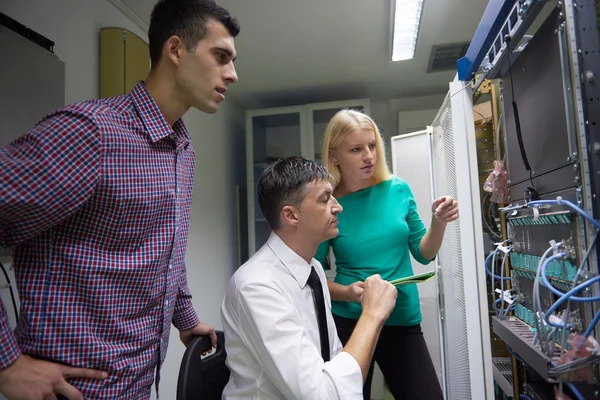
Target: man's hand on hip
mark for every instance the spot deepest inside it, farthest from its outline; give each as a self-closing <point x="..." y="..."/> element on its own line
<point x="31" y="379"/>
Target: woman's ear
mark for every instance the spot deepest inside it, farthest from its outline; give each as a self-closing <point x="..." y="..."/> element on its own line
<point x="332" y="157"/>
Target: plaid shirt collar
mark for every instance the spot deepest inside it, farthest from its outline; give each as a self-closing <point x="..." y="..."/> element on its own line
<point x="154" y="121"/>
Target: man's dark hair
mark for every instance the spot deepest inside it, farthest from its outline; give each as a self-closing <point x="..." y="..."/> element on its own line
<point x="186" y="19"/>
<point x="283" y="183"/>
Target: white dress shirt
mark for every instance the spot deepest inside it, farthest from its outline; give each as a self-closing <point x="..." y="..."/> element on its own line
<point x="272" y="335"/>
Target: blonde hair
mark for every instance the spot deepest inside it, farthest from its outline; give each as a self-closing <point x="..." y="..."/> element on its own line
<point x="341" y="125"/>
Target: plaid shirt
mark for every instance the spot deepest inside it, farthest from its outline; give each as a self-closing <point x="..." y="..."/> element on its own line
<point x="95" y="201"/>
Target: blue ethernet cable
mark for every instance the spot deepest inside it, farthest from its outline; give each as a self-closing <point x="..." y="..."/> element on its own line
<point x="487" y="269"/>
<point x="570" y="294"/>
<point x="572" y="206"/>
<point x="590" y="328"/>
<point x="559" y="200"/>
<point x="556" y="291"/>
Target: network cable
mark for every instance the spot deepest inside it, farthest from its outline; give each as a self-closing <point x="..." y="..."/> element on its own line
<point x="500" y="312"/>
<point x="556" y="291"/>
<point x="537" y="307"/>
<point x="542" y="268"/>
<point x="569" y="295"/>
<point x="559" y="200"/>
<point x="517" y="121"/>
<point x="573" y="207"/>
<point x="574" y="390"/>
<point x="577" y="364"/>
<point x="492" y="256"/>
<point x="579" y="273"/>
<point x="503" y="312"/>
<point x="512" y="353"/>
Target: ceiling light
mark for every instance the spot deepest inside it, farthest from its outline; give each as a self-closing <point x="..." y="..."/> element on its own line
<point x="407" y="18"/>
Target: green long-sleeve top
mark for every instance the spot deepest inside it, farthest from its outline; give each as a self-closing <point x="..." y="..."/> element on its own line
<point x="379" y="229"/>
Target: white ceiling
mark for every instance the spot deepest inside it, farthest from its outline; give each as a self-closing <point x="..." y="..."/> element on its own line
<point x="301" y="51"/>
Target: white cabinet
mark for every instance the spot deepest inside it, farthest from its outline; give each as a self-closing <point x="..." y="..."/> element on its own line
<point x="270" y="134"/>
<point x="275" y="133"/>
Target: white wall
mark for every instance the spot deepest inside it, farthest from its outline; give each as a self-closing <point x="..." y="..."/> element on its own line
<point x="414" y="121"/>
<point x="414" y="109"/>
<point x="218" y="139"/>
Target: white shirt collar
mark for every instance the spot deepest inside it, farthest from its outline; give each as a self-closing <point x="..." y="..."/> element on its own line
<point x="297" y="266"/>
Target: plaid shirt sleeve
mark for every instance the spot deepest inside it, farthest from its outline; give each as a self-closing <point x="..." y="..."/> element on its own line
<point x="46" y="176"/>
<point x="184" y="315"/>
<point x="9" y="351"/>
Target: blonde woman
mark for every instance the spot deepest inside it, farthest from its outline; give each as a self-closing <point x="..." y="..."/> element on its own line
<point x="378" y="230"/>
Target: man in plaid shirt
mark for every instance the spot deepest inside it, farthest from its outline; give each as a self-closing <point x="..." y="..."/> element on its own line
<point x="95" y="201"/>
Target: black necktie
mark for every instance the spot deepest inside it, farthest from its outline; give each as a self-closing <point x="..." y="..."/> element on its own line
<point x="315" y="283"/>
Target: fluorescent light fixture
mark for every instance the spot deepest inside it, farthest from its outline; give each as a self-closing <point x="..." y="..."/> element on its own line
<point x="407" y="18"/>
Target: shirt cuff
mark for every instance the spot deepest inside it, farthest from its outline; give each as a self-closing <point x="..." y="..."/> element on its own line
<point x="346" y="375"/>
<point x="9" y="351"/>
<point x="184" y="315"/>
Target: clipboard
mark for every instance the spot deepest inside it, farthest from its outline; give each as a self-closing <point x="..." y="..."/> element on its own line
<point x="413" y="279"/>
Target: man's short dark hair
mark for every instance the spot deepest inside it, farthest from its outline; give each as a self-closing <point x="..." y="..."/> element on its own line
<point x="283" y="183"/>
<point x="186" y="19"/>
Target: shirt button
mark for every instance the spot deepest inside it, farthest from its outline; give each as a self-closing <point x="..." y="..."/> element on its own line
<point x="167" y="303"/>
<point x="170" y="266"/>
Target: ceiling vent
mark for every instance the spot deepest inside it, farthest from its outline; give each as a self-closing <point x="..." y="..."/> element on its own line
<point x="444" y="56"/>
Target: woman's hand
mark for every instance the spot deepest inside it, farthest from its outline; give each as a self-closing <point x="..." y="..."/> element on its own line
<point x="350" y="293"/>
<point x="354" y="292"/>
<point x="445" y="209"/>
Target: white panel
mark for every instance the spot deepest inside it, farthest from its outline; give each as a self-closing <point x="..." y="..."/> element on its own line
<point x="465" y="326"/>
<point x="411" y="162"/>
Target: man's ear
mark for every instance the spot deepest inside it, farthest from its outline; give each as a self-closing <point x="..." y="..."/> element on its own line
<point x="289" y="215"/>
<point x="173" y="48"/>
